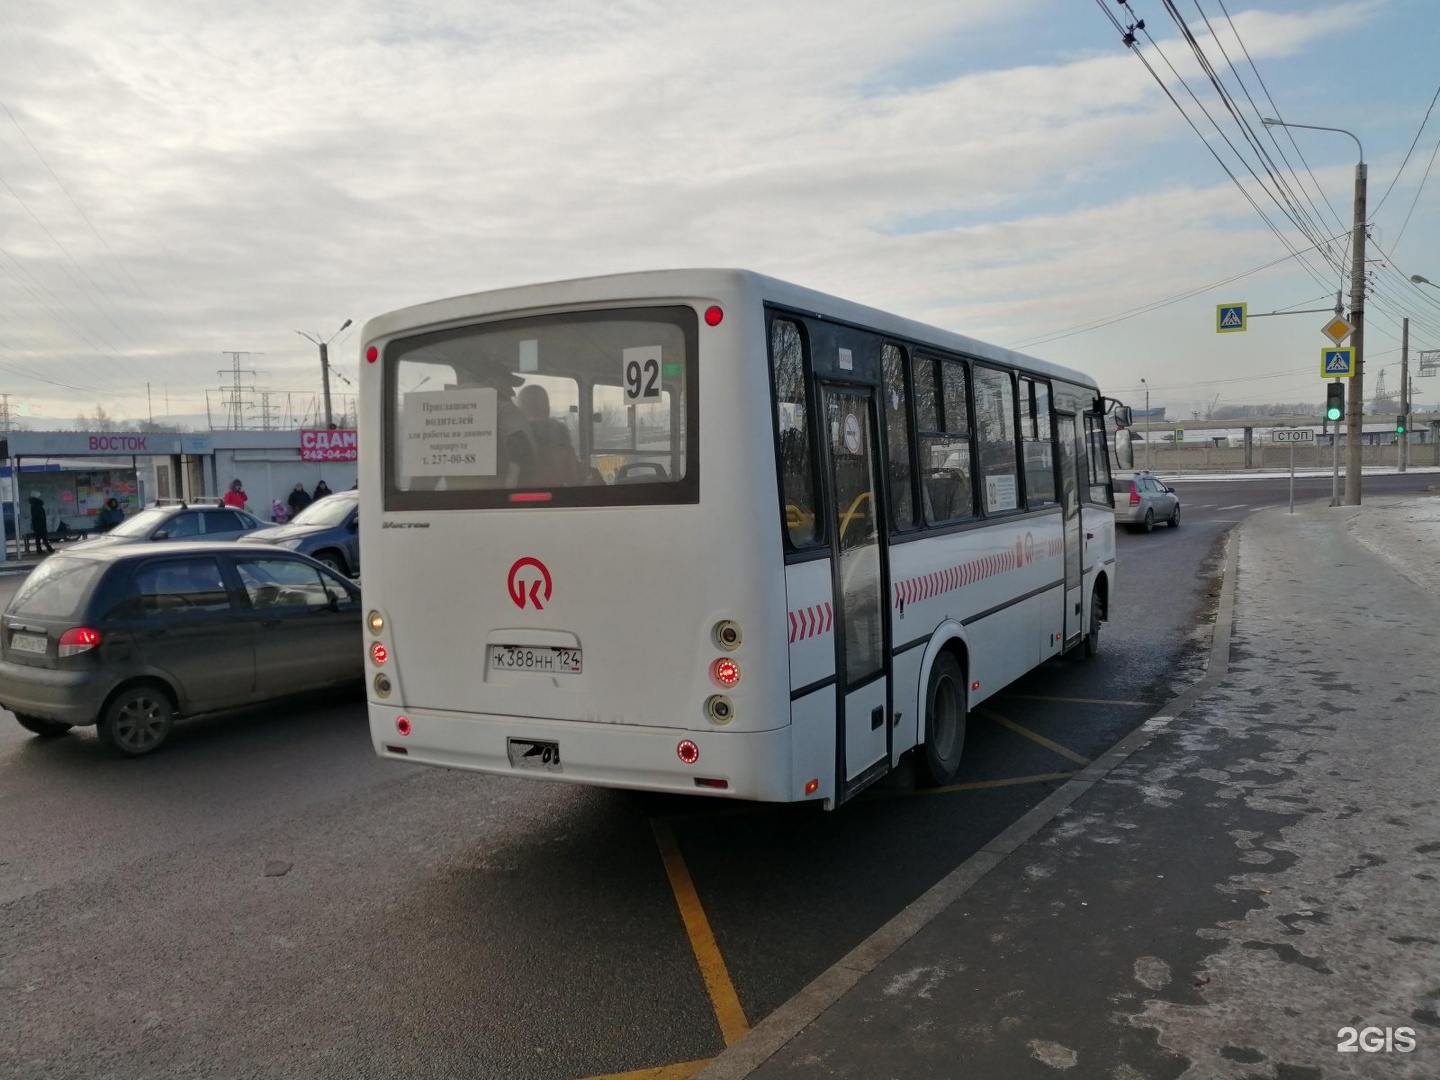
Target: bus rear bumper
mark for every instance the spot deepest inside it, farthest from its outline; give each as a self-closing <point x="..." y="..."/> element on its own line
<point x="753" y="765"/>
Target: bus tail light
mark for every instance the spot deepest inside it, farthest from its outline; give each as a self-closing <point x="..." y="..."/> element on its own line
<point x="713" y="315"/>
<point x="402" y="725"/>
<point x="712" y="782"/>
<point x="375" y="621"/>
<point x="688" y="752"/>
<point x="725" y="672"/>
<point x="727" y="635"/>
<point x="719" y="708"/>
<point x="812" y="786"/>
<point x="378" y="653"/>
<point x="382" y="685"/>
<point x="78" y="639"/>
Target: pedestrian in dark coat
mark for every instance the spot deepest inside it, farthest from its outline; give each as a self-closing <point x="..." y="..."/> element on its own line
<point x="298" y="499"/>
<point x="39" y="525"/>
<point x="321" y="490"/>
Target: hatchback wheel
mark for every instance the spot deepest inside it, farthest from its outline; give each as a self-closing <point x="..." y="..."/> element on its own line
<point x="1174" y="520"/>
<point x="46" y="729"/>
<point x="137" y="721"/>
<point x="1149" y="524"/>
<point x="334" y="562"/>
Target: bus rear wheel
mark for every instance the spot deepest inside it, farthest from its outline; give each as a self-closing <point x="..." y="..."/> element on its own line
<point x="946" y="712"/>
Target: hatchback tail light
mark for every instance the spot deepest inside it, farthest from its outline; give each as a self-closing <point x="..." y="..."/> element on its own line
<point x="78" y="639"/>
<point x="1134" y="496"/>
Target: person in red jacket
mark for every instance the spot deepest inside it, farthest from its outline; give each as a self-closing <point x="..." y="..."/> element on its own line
<point x="236" y="496"/>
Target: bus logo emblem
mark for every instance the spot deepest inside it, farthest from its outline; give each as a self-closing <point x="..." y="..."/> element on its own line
<point x="517" y="584"/>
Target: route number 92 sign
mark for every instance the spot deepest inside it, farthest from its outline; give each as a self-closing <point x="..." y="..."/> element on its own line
<point x="641" y="374"/>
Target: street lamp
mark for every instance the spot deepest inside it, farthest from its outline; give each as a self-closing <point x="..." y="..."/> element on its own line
<point x="1356" y="399"/>
<point x="325" y="367"/>
<point x="1419" y="280"/>
<point x="1147" y="423"/>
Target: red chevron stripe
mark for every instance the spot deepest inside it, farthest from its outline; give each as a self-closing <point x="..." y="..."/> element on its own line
<point x="792" y="628"/>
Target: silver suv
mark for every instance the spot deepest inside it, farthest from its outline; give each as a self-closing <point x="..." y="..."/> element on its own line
<point x="1141" y="500"/>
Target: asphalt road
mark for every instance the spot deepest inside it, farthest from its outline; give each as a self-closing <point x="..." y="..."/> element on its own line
<point x="264" y="897"/>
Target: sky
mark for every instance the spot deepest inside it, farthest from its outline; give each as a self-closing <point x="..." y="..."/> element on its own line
<point x="184" y="181"/>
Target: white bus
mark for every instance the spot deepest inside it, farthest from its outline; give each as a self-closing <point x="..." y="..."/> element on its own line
<point x="704" y="531"/>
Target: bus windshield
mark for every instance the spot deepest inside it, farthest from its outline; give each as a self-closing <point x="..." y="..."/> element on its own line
<point x="591" y="408"/>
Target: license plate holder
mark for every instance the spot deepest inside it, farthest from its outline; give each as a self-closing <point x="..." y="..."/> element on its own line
<point x="540" y="659"/>
<point x="36" y="644"/>
<point x="541" y="755"/>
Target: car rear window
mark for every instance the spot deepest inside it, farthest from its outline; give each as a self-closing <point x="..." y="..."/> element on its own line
<point x="56" y="588"/>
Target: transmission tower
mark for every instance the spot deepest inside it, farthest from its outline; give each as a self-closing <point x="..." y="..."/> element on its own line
<point x="239" y="396"/>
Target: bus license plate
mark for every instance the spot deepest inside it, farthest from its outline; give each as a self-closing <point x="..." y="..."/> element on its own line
<point x="534" y="754"/>
<point x="31" y="643"/>
<point x="551" y="661"/>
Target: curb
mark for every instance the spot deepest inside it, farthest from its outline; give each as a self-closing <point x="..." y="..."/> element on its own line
<point x="743" y="1057"/>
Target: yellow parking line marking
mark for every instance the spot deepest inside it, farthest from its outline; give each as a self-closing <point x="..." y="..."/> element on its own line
<point x="1009" y="781"/>
<point x="1076" y="700"/>
<point x="973" y="785"/>
<point x="723" y="998"/>
<point x="681" y="1071"/>
<point x="1010" y="725"/>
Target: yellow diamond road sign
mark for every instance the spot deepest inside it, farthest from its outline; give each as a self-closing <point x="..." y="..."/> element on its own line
<point x="1337" y="329"/>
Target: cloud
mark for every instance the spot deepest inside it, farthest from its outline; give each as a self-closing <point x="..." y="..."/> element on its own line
<point x="272" y="167"/>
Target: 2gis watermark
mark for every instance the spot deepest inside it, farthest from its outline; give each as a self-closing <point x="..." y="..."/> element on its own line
<point x="1375" y="1040"/>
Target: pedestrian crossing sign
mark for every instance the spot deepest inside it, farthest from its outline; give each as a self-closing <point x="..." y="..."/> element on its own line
<point x="1229" y="318"/>
<point x="1337" y="363"/>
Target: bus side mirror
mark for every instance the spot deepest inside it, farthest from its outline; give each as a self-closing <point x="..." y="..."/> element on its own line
<point x="1125" y="449"/>
<point x="1124" y="416"/>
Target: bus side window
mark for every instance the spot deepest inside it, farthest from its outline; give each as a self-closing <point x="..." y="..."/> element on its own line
<point x="996" y="439"/>
<point x="1036" y="437"/>
<point x="944" y="440"/>
<point x="897" y="436"/>
<point x="792" y="428"/>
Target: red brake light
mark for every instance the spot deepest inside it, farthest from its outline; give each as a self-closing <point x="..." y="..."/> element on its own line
<point x="531" y="496"/>
<point x="1134" y="496"/>
<point x="688" y="751"/>
<point x="713" y="315"/>
<point x="78" y="639"/>
<point x="372" y="354"/>
<point x="402" y="725"/>
<point x="725" y="671"/>
<point x="379" y="653"/>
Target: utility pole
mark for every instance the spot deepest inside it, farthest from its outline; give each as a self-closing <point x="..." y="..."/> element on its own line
<point x="1355" y="402"/>
<point x="1402" y="452"/>
<point x="325" y="368"/>
<point x="1356" y="410"/>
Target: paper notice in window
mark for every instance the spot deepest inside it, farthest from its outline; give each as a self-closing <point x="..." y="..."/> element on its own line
<point x="1000" y="492"/>
<point x="449" y="433"/>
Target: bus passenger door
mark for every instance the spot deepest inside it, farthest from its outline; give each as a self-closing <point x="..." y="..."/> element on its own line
<point x="850" y="436"/>
<point x="1067" y="432"/>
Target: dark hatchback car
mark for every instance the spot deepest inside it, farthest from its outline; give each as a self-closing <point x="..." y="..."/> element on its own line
<point x="328" y="530"/>
<point x="130" y="637"/>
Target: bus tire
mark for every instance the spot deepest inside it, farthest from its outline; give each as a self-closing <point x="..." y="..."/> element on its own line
<point x="1092" y="635"/>
<point x="946" y="711"/>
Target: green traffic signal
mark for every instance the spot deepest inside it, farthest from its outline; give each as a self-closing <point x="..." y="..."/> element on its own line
<point x="1334" y="401"/>
<point x="1400" y="425"/>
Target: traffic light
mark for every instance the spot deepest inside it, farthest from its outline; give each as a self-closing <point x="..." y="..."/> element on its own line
<point x="1335" y="401"/>
<point x="1401" y="425"/>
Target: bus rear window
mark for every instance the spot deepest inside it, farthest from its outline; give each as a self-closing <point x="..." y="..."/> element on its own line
<point x="592" y="409"/>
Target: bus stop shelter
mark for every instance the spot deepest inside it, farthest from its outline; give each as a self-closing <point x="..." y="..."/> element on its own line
<point x="180" y="474"/>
